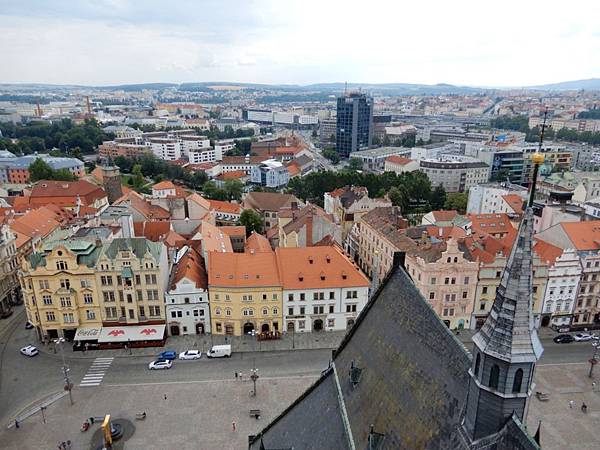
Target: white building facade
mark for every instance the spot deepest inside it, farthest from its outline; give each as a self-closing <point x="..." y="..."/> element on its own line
<point x="562" y="289"/>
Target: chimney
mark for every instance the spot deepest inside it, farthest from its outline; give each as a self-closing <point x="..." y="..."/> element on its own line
<point x="402" y="223"/>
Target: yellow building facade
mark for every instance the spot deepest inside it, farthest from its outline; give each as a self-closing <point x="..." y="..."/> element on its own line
<point x="245" y="293"/>
<point x="59" y="289"/>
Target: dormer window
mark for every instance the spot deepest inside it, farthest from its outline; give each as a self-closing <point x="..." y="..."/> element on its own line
<point x="344" y="275"/>
<point x="300" y="276"/>
<point x="328" y="259"/>
<point x="61" y="265"/>
<point x="310" y="260"/>
<point x="322" y="276"/>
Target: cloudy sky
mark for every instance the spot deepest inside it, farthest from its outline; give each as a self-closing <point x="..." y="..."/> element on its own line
<point x="481" y="43"/>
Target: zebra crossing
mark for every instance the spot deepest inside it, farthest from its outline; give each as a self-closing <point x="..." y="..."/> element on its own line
<point x="96" y="372"/>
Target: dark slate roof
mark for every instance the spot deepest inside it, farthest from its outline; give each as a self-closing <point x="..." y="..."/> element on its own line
<point x="412" y="387"/>
<point x="139" y="247"/>
<point x="509" y="333"/>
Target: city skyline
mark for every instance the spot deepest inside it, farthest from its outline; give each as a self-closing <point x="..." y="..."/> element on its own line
<point x="119" y="42"/>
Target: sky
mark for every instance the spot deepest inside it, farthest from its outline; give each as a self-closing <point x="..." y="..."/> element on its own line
<point x="462" y="42"/>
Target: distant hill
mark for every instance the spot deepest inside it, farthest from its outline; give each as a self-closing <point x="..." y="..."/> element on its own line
<point x="592" y="84"/>
<point x="397" y="88"/>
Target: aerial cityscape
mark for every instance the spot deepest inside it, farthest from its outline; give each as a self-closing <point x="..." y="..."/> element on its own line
<point x="297" y="225"/>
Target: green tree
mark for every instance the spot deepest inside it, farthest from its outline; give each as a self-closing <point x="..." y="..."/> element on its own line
<point x="211" y="191"/>
<point x="138" y="177"/>
<point x="457" y="201"/>
<point x="386" y="140"/>
<point x="234" y="189"/>
<point x="438" y="198"/>
<point x="40" y="170"/>
<point x="251" y="220"/>
<point x="355" y="164"/>
<point x="398" y="197"/>
<point x="331" y="155"/>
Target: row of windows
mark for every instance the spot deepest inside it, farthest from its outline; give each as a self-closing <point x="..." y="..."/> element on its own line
<point x="245" y="297"/>
<point x="197" y="313"/>
<point x="69" y="317"/>
<point x="111" y="312"/>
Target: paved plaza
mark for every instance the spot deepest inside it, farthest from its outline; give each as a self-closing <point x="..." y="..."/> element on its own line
<point x="199" y="414"/>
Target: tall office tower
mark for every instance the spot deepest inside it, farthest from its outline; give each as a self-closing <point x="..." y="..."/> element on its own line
<point x="354" y="123"/>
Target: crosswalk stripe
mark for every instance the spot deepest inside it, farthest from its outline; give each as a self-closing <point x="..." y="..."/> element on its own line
<point x="104" y="359"/>
<point x="89" y="385"/>
<point x="90" y="376"/>
<point x="96" y="372"/>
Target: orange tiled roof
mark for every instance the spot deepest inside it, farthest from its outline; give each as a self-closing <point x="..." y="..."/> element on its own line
<point x="446" y="232"/>
<point x="225" y="207"/>
<point x="547" y="252"/>
<point x="515" y="202"/>
<point x="239" y="270"/>
<point x="173" y="239"/>
<point x="153" y="231"/>
<point x="293" y="169"/>
<point x="583" y="235"/>
<point x="213" y="239"/>
<point x="144" y="207"/>
<point x="164" y="185"/>
<point x="444" y="216"/>
<point x="191" y="267"/>
<point x="490" y="223"/>
<point x="39" y="222"/>
<point x="233" y="175"/>
<point x="257" y="243"/>
<point x="395" y="159"/>
<point x="329" y="268"/>
<point x="233" y="230"/>
<point x="46" y="189"/>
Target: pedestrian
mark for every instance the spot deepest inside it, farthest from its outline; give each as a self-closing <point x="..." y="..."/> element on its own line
<point x="236" y="375"/>
<point x="583" y="407"/>
<point x="17" y="423"/>
<point x="233" y="425"/>
<point x="165" y="396"/>
<point x="241" y="376"/>
<point x="571" y="402"/>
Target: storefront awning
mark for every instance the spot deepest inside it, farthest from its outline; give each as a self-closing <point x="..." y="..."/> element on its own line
<point x="87" y="334"/>
<point x="136" y="333"/>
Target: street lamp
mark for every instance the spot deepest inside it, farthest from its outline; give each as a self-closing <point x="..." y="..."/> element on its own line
<point x="254" y="377"/>
<point x="594" y="359"/>
<point x="68" y="385"/>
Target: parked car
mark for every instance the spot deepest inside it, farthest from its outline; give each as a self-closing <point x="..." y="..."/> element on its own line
<point x="564" y="339"/>
<point x="160" y="364"/>
<point x="190" y="354"/>
<point x="28" y="325"/>
<point x="30" y="350"/>
<point x="6" y="314"/>
<point x="582" y="337"/>
<point x="219" y="351"/>
<point x="167" y="354"/>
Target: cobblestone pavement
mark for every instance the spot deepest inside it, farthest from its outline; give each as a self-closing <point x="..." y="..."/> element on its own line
<point x="199" y="415"/>
<point x="564" y="427"/>
<point x="194" y="415"/>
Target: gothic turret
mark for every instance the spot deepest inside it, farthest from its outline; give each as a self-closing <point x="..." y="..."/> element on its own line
<point x="507" y="345"/>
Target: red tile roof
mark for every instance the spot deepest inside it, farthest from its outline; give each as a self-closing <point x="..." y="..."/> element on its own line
<point x="191" y="267"/>
<point x="317" y="267"/>
<point x="233" y="175"/>
<point x="583" y="235"/>
<point x="153" y="231"/>
<point x="515" y="202"/>
<point x="257" y="243"/>
<point x="547" y="252"/>
<point x="225" y="207"/>
<point x="164" y="185"/>
<point x="395" y="159"/>
<point x="238" y="270"/>
<point x="491" y="223"/>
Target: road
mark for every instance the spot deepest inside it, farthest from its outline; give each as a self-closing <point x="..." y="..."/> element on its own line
<point x="24" y="380"/>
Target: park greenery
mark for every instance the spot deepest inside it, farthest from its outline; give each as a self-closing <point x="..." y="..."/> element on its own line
<point x="411" y="191"/>
<point x="157" y="170"/>
<point x="521" y="123"/>
<point x="40" y="170"/>
<point x="40" y="136"/>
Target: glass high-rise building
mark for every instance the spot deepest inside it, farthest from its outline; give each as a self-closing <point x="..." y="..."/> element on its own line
<point x="354" y="123"/>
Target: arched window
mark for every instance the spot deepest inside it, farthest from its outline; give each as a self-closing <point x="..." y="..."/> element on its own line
<point x="494" y="375"/>
<point x="518" y="380"/>
<point x="218" y="311"/>
<point x="227" y="312"/>
<point x="265" y="311"/>
<point x="477" y="362"/>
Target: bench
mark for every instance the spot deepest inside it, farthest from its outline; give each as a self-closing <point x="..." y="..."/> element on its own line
<point x="254" y="413"/>
<point x="542" y="396"/>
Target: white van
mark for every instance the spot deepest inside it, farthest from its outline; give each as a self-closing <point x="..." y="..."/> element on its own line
<point x="219" y="351"/>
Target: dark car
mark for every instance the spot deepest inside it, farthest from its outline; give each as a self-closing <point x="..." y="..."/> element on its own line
<point x="28" y="325"/>
<point x="6" y="314"/>
<point x="564" y="339"/>
<point x="167" y="354"/>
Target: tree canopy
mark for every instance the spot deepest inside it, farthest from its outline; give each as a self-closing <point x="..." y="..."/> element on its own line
<point x="40" y="170"/>
<point x="331" y="155"/>
<point x="414" y="187"/>
<point x="457" y="201"/>
<point x="251" y="220"/>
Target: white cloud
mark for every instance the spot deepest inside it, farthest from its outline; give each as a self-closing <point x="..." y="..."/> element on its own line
<point x="460" y="42"/>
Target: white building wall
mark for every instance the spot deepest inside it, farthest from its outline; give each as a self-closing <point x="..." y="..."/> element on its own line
<point x="187" y="306"/>
<point x="335" y="303"/>
<point x="562" y="288"/>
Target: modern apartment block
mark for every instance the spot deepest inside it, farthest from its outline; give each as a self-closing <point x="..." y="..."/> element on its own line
<point x="455" y="173"/>
<point x="354" y="129"/>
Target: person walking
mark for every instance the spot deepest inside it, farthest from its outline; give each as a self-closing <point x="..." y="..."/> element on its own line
<point x="17" y="423"/>
<point x="236" y="375"/>
<point x="233" y="425"/>
<point x="583" y="407"/>
<point x="571" y="402"/>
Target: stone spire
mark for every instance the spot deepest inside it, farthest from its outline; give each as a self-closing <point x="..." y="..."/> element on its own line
<point x="509" y="333"/>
